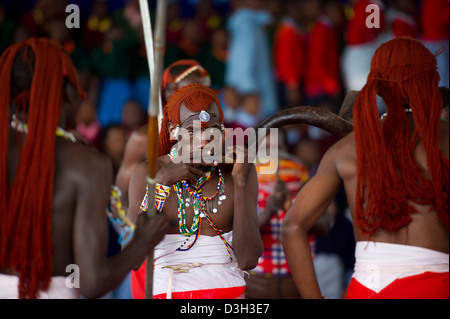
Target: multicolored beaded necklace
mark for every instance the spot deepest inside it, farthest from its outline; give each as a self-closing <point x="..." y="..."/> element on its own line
<point x="192" y="195"/>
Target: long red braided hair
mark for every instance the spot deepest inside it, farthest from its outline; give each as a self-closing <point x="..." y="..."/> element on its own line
<point x="403" y="72"/>
<point x="26" y="204"/>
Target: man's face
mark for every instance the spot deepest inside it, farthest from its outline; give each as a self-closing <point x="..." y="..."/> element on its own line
<point x="197" y="136"/>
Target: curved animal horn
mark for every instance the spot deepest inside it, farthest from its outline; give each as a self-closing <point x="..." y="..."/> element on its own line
<point x="310" y="115"/>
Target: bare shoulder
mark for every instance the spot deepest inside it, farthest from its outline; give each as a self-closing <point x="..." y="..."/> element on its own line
<point x="139" y="136"/>
<point x="80" y="161"/>
<point x="135" y="149"/>
<point x="342" y="155"/>
<point x="343" y="148"/>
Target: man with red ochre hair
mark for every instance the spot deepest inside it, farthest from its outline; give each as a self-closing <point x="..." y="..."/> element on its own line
<point x="178" y="74"/>
<point x="214" y="233"/>
<point x="395" y="174"/>
<point x="54" y="189"/>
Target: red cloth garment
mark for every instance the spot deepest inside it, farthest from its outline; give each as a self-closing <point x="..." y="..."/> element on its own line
<point x="138" y="282"/>
<point x="424" y="286"/>
<point x="323" y="67"/>
<point x="218" y="293"/>
<point x="435" y="19"/>
<point x="289" y="53"/>
<point x="403" y="24"/>
<point x="357" y="32"/>
<point x="138" y="289"/>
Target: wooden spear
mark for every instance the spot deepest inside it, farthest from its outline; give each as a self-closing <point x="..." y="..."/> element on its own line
<point x="157" y="52"/>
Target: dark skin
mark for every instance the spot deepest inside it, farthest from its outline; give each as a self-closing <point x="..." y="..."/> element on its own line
<point x="82" y="183"/>
<point x="237" y="212"/>
<point x="136" y="147"/>
<point x="337" y="168"/>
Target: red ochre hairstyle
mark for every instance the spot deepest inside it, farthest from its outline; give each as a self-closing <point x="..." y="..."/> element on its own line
<point x="26" y="205"/>
<point x="403" y="72"/>
<point x="180" y="69"/>
<point x="195" y="97"/>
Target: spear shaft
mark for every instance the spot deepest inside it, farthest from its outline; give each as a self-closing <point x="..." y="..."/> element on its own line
<point x="155" y="55"/>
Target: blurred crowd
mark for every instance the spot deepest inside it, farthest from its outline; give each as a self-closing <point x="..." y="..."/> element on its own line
<point x="262" y="56"/>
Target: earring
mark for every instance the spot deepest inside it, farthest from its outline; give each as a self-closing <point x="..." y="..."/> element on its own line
<point x="175" y="133"/>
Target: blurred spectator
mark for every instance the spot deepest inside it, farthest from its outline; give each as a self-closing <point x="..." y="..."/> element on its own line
<point x="113" y="141"/>
<point x="289" y="55"/>
<point x="112" y="64"/>
<point x="435" y="24"/>
<point x="7" y="27"/>
<point x="271" y="278"/>
<point x="361" y="44"/>
<point x="276" y="10"/>
<point x="249" y="70"/>
<point x="308" y="152"/>
<point x="96" y="25"/>
<point x="402" y="18"/>
<point x="191" y="41"/>
<point x="214" y="57"/>
<point x="37" y="20"/>
<point x="133" y="117"/>
<point x="87" y="123"/>
<point x="58" y="32"/>
<point x="322" y="76"/>
<point x="207" y="17"/>
<point x="175" y="23"/>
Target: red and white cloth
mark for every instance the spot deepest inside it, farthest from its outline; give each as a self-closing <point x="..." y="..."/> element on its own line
<point x="202" y="272"/>
<point x="385" y="271"/>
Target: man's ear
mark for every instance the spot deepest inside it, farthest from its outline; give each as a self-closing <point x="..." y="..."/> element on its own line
<point x="173" y="131"/>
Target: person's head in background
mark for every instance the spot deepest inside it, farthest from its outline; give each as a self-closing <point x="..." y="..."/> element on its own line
<point x="294" y="9"/>
<point x="311" y="12"/>
<point x="308" y="152"/>
<point x="219" y="39"/>
<point x="251" y="4"/>
<point x="133" y="115"/>
<point x="334" y="10"/>
<point x="181" y="73"/>
<point x="113" y="144"/>
<point x="59" y="33"/>
<point x="406" y="6"/>
<point x="88" y="125"/>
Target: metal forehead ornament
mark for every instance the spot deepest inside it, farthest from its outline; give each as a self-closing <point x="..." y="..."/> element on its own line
<point x="204" y="116"/>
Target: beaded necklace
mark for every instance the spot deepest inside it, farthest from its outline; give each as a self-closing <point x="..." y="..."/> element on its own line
<point x="190" y="195"/>
<point x="21" y="127"/>
<point x="193" y="196"/>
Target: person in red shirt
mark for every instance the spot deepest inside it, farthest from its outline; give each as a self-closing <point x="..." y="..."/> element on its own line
<point x="289" y="55"/>
<point x="402" y="19"/>
<point x="322" y="74"/>
<point x="435" y="34"/>
<point x="361" y="44"/>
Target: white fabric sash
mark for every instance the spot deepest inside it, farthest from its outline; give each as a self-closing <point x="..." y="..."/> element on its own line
<point x="379" y="264"/>
<point x="206" y="265"/>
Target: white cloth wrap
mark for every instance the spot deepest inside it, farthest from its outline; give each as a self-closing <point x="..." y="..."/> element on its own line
<point x="378" y="264"/>
<point x="207" y="265"/>
<point x="9" y="288"/>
